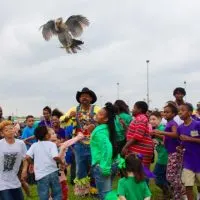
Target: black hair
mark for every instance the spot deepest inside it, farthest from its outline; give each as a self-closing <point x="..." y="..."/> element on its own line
<point x="47" y="108"/>
<point x="142" y="105"/>
<point x="29" y="116"/>
<point x="134" y="165"/>
<point x="111" y="125"/>
<point x="179" y="90"/>
<point x="121" y="107"/>
<point x="57" y="113"/>
<point x="10" y="118"/>
<point x="156" y="114"/>
<point x="189" y="106"/>
<point x="41" y="132"/>
<point x="172" y="105"/>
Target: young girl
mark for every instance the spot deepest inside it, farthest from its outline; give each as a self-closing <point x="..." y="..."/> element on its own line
<point x="138" y="137"/>
<point x="60" y="132"/>
<point x="103" y="149"/>
<point x="122" y="121"/>
<point x="133" y="186"/>
<point x="45" y="155"/>
<point x="190" y="135"/>
<point x="171" y="142"/>
<point x="62" y="175"/>
<point x="161" y="163"/>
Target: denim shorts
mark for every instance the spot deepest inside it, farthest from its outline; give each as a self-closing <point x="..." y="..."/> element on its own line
<point x="50" y="181"/>
<point x="103" y="183"/>
<point x="11" y="194"/>
<point x="83" y="159"/>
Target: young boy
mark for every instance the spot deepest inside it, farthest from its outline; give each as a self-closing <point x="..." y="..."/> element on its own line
<point x="161" y="163"/>
<point x="190" y="136"/>
<point x="28" y="131"/>
<point x="138" y="137"/>
<point x="12" y="153"/>
<point x="45" y="155"/>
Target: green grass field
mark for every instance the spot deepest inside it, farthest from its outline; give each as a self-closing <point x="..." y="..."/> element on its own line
<point x="155" y="192"/>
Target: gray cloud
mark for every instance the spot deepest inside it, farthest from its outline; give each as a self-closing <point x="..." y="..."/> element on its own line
<point x="122" y="35"/>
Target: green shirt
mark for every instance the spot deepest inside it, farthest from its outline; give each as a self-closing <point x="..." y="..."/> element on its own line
<point x="132" y="190"/>
<point x="160" y="148"/>
<point x="101" y="148"/>
<point x="122" y="122"/>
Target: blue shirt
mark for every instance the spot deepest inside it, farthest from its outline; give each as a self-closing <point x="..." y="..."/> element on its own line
<point x="28" y="132"/>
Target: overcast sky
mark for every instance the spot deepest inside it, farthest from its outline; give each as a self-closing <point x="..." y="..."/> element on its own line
<point x="121" y="37"/>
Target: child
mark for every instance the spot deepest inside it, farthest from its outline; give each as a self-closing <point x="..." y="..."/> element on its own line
<point x="12" y="152"/>
<point x="161" y="163"/>
<point x="45" y="155"/>
<point x="122" y="121"/>
<point x="47" y="117"/>
<point x="103" y="151"/>
<point x="138" y="138"/>
<point x="28" y="131"/>
<point x="190" y="135"/>
<point x="62" y="175"/>
<point x="60" y="132"/>
<point x="174" y="158"/>
<point x="133" y="186"/>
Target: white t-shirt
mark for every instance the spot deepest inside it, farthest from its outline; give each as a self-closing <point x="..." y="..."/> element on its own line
<point x="43" y="153"/>
<point x="178" y="120"/>
<point x="11" y="156"/>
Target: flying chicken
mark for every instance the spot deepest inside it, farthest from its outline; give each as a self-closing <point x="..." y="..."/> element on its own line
<point x="66" y="31"/>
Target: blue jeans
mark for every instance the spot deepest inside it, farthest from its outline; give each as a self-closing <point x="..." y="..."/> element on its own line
<point x="103" y="183"/>
<point x="47" y="182"/>
<point x="11" y="194"/>
<point x="83" y="159"/>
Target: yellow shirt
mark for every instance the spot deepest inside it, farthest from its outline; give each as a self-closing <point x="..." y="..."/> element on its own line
<point x="73" y="121"/>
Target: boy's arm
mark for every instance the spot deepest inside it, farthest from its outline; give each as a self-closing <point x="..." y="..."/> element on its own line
<point x="24" y="169"/>
<point x="172" y="134"/>
<point x="189" y="139"/>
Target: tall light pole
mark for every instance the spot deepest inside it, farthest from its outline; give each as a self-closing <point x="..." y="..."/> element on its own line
<point x="147" y="61"/>
<point x="117" y="90"/>
<point x="185" y="88"/>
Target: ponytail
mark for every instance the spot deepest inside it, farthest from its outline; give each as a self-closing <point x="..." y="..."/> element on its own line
<point x="111" y="126"/>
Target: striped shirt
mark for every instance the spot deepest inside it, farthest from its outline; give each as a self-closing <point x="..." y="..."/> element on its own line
<point x="139" y="131"/>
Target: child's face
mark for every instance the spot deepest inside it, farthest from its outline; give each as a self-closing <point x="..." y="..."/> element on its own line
<point x="154" y="121"/>
<point x="168" y="114"/>
<point x="55" y="140"/>
<point x="179" y="96"/>
<point x="55" y="121"/>
<point x="184" y="113"/>
<point x="101" y="116"/>
<point x="8" y="131"/>
<point x="46" y="115"/>
<point x="136" y="110"/>
<point x="30" y="122"/>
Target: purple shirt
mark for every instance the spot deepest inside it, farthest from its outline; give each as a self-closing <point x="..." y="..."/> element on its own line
<point x="61" y="133"/>
<point x="45" y="123"/>
<point x="171" y="143"/>
<point x="192" y="150"/>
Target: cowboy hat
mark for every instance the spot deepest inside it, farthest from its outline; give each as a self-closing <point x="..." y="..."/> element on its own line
<point x="85" y="90"/>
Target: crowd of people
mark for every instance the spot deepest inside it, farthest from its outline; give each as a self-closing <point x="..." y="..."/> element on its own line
<point x="93" y="146"/>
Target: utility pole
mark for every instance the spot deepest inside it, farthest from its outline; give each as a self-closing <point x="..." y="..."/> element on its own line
<point x="147" y="61"/>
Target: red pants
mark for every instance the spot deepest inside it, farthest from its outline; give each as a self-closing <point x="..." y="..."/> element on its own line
<point x="64" y="188"/>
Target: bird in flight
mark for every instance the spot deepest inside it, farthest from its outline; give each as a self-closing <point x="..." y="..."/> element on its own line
<point x="66" y="31"/>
